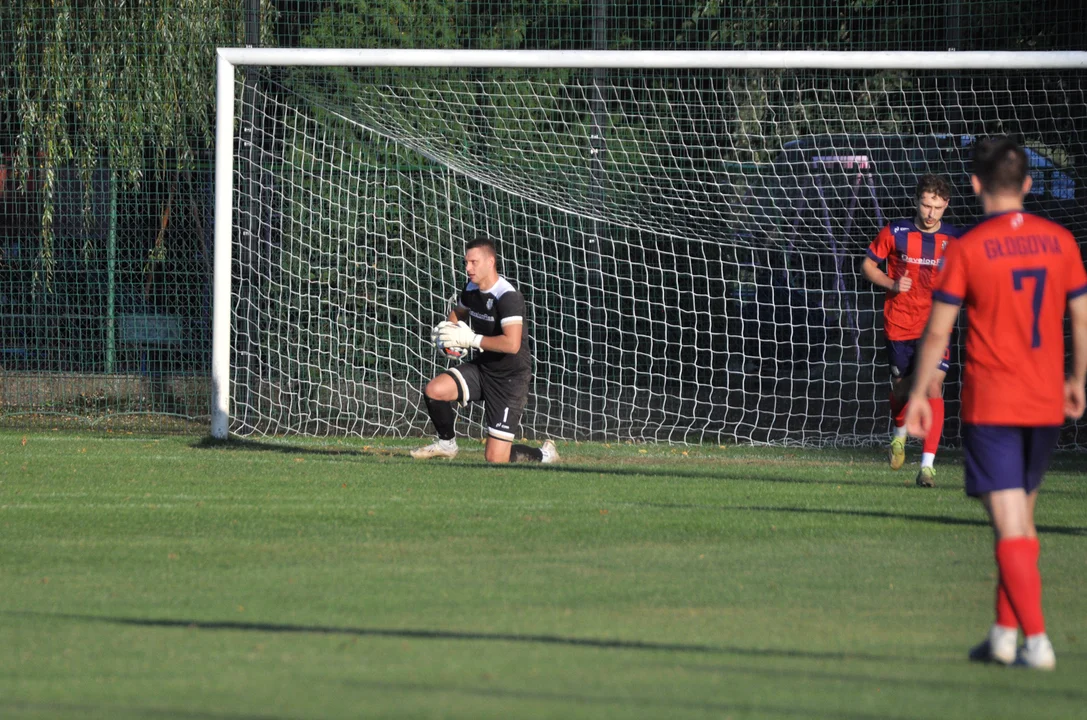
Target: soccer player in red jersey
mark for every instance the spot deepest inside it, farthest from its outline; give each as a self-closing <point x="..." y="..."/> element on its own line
<point x="912" y="250"/>
<point x="1016" y="273"/>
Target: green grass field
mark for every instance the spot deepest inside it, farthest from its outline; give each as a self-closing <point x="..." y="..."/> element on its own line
<point x="171" y="577"/>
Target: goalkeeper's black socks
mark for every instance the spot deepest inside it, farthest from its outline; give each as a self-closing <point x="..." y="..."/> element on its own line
<point x="443" y="416"/>
<point x="524" y="453"/>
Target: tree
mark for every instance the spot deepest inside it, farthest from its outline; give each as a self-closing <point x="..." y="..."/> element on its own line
<point x="125" y="86"/>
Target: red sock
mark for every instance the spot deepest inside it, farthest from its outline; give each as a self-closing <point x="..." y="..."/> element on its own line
<point x="1035" y="549"/>
<point x="1005" y="616"/>
<point x="932" y="440"/>
<point x="1018" y="561"/>
<point x="898" y="409"/>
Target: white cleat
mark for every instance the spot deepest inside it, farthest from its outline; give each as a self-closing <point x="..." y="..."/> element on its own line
<point x="441" y="449"/>
<point x="1037" y="652"/>
<point x="549" y="451"/>
<point x="998" y="647"/>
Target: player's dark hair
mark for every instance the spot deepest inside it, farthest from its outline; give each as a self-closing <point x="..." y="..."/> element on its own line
<point x="483" y="243"/>
<point x="1000" y="164"/>
<point x="935" y="184"/>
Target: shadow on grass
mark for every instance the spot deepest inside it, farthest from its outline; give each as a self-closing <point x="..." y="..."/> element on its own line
<point x="69" y="710"/>
<point x="641" y="705"/>
<point x="1000" y="687"/>
<point x="638" y="704"/>
<point x="880" y="514"/>
<point x="565" y="697"/>
<point x="418" y="634"/>
<point x="746" y="471"/>
<point x="209" y="443"/>
<point x="725" y="470"/>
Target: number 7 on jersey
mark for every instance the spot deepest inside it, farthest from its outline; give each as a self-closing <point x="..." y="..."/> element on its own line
<point x="1038" y="275"/>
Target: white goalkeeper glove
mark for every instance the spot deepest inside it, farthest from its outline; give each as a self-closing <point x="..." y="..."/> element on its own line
<point x="435" y="337"/>
<point x="435" y="334"/>
<point x="444" y="349"/>
<point x="458" y="335"/>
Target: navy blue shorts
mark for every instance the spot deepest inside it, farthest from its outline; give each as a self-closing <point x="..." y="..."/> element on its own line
<point x="901" y="353"/>
<point x="1005" y="457"/>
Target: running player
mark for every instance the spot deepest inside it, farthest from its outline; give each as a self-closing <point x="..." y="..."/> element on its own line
<point x="912" y="250"/>
<point x="488" y="320"/>
<point x="1016" y="273"/>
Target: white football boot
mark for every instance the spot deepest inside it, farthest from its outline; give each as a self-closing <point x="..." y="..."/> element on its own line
<point x="549" y="451"/>
<point x="441" y="449"/>
<point x="998" y="647"/>
<point x="1037" y="652"/>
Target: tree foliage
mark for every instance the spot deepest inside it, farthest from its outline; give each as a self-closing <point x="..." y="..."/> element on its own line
<point x="100" y="83"/>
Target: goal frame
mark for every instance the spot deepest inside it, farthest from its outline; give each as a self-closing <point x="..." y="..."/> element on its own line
<point x="230" y="59"/>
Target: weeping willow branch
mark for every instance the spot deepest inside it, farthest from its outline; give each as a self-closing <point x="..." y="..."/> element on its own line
<point x="102" y="83"/>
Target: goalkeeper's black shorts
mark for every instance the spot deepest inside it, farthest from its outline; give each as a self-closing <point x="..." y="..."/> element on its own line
<point x="503" y="397"/>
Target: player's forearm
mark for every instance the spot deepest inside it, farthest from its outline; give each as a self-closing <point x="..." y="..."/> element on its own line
<point x="877" y="277"/>
<point x="1078" y="311"/>
<point x="500" y="343"/>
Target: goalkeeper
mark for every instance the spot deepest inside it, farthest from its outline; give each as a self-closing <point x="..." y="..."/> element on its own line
<point x="487" y="321"/>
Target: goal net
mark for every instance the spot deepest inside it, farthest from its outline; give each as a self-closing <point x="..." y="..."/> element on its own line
<point x="687" y="228"/>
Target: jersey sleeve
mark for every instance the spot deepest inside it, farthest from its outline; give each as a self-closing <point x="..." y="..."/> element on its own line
<point x="882" y="246"/>
<point x="511" y="308"/>
<point x="951" y="285"/>
<point x="1076" y="276"/>
<point x="459" y="302"/>
<point x="953" y="232"/>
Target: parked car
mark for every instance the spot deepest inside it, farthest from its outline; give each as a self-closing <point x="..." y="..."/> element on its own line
<point x="841" y="189"/>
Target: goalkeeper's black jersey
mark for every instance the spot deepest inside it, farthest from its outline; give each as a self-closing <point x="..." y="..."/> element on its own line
<point x="488" y="312"/>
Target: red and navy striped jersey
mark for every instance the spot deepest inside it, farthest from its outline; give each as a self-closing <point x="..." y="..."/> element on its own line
<point x="908" y="250"/>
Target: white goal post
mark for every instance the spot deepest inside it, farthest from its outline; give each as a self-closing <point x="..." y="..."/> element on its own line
<point x="711" y="205"/>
